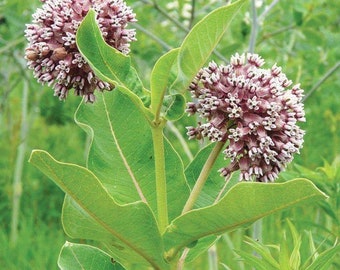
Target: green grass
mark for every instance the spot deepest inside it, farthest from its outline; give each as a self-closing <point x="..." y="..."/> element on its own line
<point x="37" y="247"/>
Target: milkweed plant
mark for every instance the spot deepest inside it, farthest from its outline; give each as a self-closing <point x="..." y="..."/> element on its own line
<point x="134" y="200"/>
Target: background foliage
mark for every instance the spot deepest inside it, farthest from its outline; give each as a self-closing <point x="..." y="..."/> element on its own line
<point x="301" y="36"/>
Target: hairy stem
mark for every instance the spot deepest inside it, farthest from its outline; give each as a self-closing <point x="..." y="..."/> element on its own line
<point x="158" y="146"/>
<point x="202" y="178"/>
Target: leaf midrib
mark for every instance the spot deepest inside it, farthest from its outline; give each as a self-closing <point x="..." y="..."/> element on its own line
<point x="236" y="225"/>
<point x="122" y="156"/>
<point x="91" y="213"/>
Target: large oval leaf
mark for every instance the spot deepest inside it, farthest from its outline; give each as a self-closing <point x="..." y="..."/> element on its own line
<point x="78" y="257"/>
<point x="78" y="224"/>
<point x="121" y="153"/>
<point x="118" y="221"/>
<point x="243" y="204"/>
<point x="201" y="41"/>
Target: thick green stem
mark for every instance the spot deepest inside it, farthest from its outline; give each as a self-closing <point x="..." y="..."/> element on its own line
<point x="158" y="146"/>
<point x="202" y="178"/>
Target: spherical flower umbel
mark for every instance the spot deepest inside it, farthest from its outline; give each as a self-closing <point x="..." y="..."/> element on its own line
<point x="52" y="52"/>
<point x="252" y="108"/>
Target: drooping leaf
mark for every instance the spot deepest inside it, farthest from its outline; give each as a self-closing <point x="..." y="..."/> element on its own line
<point x="116" y="221"/>
<point x="243" y="204"/>
<point x="121" y="153"/>
<point x="108" y="63"/>
<point x="201" y="41"/>
<point x="79" y="257"/>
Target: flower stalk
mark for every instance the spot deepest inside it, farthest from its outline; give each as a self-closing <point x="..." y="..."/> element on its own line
<point x="202" y="178"/>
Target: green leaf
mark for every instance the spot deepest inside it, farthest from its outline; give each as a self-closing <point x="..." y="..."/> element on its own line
<point x="108" y="63"/>
<point x="117" y="221"/>
<point x="202" y="245"/>
<point x="79" y="224"/>
<point x="253" y="261"/>
<point x="160" y="77"/>
<point x="295" y="257"/>
<point x="243" y="204"/>
<point x="80" y="257"/>
<point x="324" y="260"/>
<point x="121" y="153"/>
<point x="211" y="191"/>
<point x="201" y="41"/>
<point x="264" y="252"/>
<point x="175" y="106"/>
<point x="284" y="253"/>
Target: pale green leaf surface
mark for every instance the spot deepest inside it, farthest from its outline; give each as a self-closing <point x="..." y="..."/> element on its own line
<point x="160" y="76"/>
<point x="175" y="107"/>
<point x="107" y="62"/>
<point x="88" y="192"/>
<point x="243" y="204"/>
<point x="85" y="257"/>
<point x="79" y="224"/>
<point x="121" y="152"/>
<point x="201" y="41"/>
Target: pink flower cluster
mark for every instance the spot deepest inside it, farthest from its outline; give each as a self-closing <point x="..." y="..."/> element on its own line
<point x="52" y="52"/>
<point x="251" y="108"/>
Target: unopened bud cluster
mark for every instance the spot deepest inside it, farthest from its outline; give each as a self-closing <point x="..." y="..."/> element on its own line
<point x="52" y="52"/>
<point x="254" y="110"/>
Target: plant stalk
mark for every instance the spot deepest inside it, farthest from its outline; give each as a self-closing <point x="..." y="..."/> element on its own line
<point x="17" y="185"/>
<point x="202" y="178"/>
<point x="254" y="28"/>
<point x="158" y="146"/>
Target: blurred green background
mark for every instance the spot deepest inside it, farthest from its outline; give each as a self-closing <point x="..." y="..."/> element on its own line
<point x="301" y="36"/>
